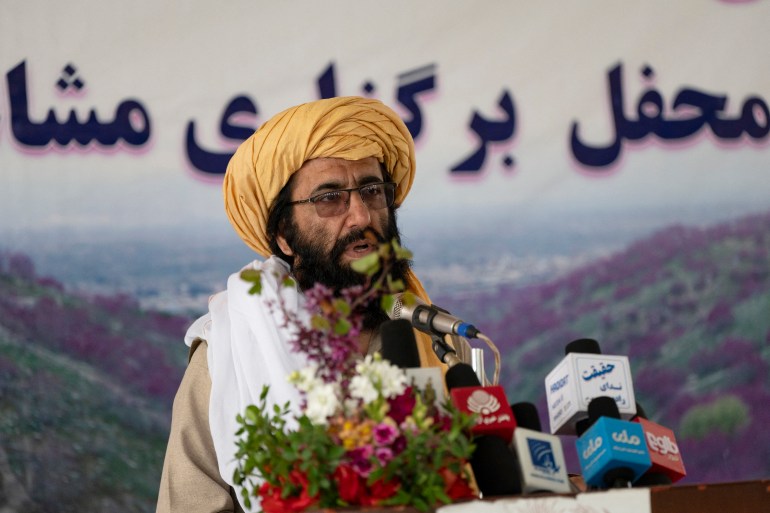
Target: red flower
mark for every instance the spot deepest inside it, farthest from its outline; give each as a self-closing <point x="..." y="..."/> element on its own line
<point x="379" y="491"/>
<point x="349" y="484"/>
<point x="444" y="422"/>
<point x="455" y="485"/>
<point x="401" y="407"/>
<point x="272" y="502"/>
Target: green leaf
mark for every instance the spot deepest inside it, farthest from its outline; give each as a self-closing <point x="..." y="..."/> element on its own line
<point x="387" y="301"/>
<point x="367" y="265"/>
<point x="255" y="277"/>
<point x="395" y="285"/>
<point x="408" y="298"/>
<point x="342" y="327"/>
<point x="320" y="323"/>
<point x="384" y="250"/>
<point x="288" y="281"/>
<point x="252" y="413"/>
<point x="401" y="252"/>
<point x="342" y="306"/>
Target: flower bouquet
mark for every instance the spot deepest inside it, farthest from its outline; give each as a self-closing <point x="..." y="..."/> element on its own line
<point x="364" y="436"/>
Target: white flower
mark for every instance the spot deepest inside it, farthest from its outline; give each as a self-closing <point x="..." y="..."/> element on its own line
<point x="322" y="403"/>
<point x="377" y="376"/>
<point x="361" y="387"/>
<point x="305" y="379"/>
<point x="393" y="380"/>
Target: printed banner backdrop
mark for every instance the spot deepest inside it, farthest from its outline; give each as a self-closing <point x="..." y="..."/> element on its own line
<point x="585" y="169"/>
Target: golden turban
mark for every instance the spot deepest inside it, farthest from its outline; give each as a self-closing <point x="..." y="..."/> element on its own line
<point x="350" y="128"/>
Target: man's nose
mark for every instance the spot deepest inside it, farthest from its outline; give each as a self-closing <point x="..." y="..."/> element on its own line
<point x="359" y="215"/>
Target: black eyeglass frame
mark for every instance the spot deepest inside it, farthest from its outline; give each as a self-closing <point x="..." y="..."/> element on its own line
<point x="389" y="190"/>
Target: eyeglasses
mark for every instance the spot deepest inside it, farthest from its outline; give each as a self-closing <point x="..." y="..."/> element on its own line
<point x="375" y="196"/>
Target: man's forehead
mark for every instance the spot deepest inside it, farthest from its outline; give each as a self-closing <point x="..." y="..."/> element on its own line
<point x="317" y="172"/>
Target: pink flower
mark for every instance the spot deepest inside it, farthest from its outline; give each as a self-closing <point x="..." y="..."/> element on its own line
<point x="383" y="455"/>
<point x="385" y="434"/>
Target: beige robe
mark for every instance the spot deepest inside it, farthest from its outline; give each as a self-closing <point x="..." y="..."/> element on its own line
<point x="190" y="482"/>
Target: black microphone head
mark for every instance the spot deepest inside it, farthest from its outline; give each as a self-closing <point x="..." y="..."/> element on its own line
<point x="602" y="406"/>
<point x="581" y="426"/>
<point x="583" y="345"/>
<point x="461" y="375"/>
<point x="399" y="346"/>
<point x="640" y="413"/>
<point x="495" y="467"/>
<point x="526" y="416"/>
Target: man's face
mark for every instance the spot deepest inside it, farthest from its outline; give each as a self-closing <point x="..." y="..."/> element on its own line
<point x="324" y="247"/>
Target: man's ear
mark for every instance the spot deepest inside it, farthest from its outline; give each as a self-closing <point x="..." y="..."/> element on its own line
<point x="284" y="245"/>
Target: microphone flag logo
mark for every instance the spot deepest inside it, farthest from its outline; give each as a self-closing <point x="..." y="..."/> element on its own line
<point x="483" y="403"/>
<point x="541" y="452"/>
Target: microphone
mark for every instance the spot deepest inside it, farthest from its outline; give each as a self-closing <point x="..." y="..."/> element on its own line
<point x="612" y="452"/>
<point x="430" y="318"/>
<point x="399" y="345"/>
<point x="493" y="463"/>
<point x="583" y="345"/>
<point x="667" y="465"/>
<point x="540" y="456"/>
<point x="583" y="374"/>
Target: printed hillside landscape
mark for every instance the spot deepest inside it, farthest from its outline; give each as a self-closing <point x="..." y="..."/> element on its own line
<point x="86" y="382"/>
<point x="86" y="387"/>
<point x="691" y="309"/>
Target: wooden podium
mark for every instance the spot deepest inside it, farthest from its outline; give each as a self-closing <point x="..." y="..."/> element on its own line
<point x="738" y="497"/>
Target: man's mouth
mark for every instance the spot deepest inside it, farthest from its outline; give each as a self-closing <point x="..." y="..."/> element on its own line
<point x="356" y="245"/>
<point x="360" y="248"/>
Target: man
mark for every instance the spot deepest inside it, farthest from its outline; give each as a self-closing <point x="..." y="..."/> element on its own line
<point x="307" y="191"/>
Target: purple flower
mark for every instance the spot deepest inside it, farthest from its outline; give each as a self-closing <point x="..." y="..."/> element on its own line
<point x="361" y="460"/>
<point x="399" y="444"/>
<point x="384" y="434"/>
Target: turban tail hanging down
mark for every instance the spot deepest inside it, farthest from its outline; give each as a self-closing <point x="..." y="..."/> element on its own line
<point x="350" y="128"/>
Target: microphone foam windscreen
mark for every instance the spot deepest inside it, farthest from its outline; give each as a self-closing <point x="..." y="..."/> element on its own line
<point x="583" y="345"/>
<point x="526" y="416"/>
<point x="494" y="467"/>
<point x="461" y="375"/>
<point x="603" y="406"/>
<point x="399" y="346"/>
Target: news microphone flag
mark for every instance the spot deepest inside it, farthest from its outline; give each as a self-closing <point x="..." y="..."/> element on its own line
<point x="540" y="455"/>
<point x="664" y="453"/>
<point x="612" y="452"/>
<point x="493" y="413"/>
<point x="612" y="449"/>
<point x="580" y="377"/>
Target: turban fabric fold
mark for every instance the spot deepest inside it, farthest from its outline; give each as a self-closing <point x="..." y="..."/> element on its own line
<point x="350" y="128"/>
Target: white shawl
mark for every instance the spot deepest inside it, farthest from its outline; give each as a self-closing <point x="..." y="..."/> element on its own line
<point x="248" y="347"/>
